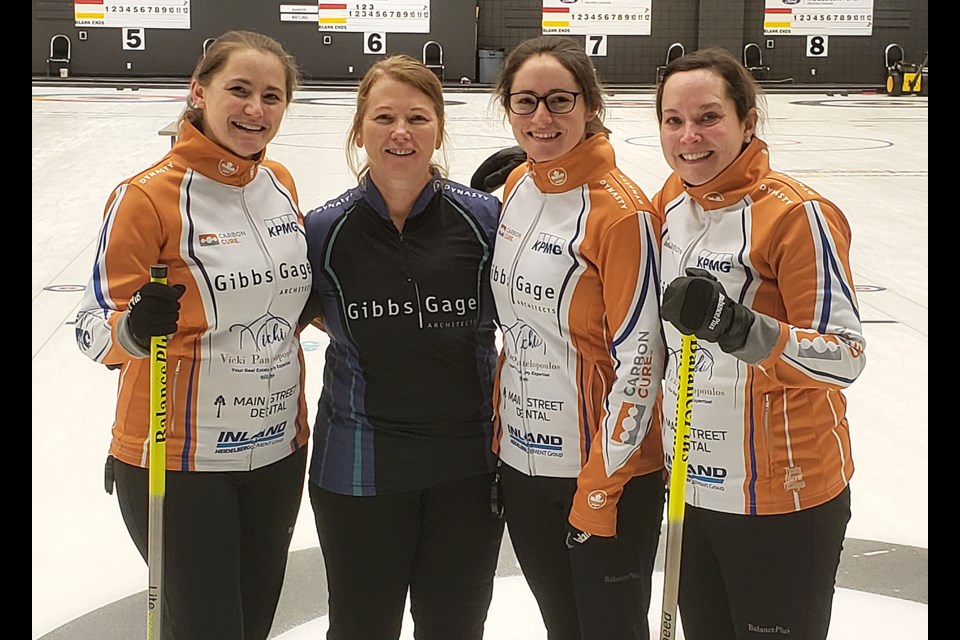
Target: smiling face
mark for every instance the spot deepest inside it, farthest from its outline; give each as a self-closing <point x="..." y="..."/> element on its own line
<point x="244" y="102"/>
<point x="399" y="132"/>
<point x="700" y="133"/>
<point x="544" y="135"/>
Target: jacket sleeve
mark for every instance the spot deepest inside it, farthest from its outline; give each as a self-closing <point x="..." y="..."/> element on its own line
<point x="629" y="270"/>
<point x="817" y="341"/>
<point x="128" y="243"/>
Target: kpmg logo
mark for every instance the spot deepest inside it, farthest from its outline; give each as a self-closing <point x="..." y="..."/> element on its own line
<point x="282" y="225"/>
<point x="722" y="262"/>
<point x="549" y="244"/>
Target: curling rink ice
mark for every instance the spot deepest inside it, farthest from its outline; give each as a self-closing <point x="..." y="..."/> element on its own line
<point x="866" y="153"/>
<point x="512" y="616"/>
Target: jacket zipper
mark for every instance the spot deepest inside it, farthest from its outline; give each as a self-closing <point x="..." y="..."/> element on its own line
<point x="268" y="258"/>
<point x="531" y="459"/>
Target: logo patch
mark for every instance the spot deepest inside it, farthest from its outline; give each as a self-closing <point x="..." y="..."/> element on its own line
<point x="711" y="261"/>
<point x="597" y="499"/>
<point x="282" y="225"/>
<point x="793" y="479"/>
<point x="227" y="168"/>
<point x="558" y="176"/>
<point x="549" y="244"/>
<point x="507" y="233"/>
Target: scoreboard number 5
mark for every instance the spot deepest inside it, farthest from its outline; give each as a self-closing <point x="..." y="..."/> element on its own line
<point x="374" y="43"/>
<point x="597" y="45"/>
<point x="133" y="39"/>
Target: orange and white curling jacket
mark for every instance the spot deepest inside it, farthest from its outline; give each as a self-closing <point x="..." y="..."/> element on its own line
<point x="574" y="277"/>
<point x="769" y="431"/>
<point x="230" y="229"/>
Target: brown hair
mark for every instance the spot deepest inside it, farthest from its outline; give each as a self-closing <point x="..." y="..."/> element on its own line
<point x="218" y="53"/>
<point x="741" y="88"/>
<point x="574" y="59"/>
<point x="407" y="70"/>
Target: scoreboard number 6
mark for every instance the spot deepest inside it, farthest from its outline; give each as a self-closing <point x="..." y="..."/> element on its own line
<point x="374" y="43"/>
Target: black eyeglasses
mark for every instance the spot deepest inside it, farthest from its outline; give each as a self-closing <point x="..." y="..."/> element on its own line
<point x="523" y="103"/>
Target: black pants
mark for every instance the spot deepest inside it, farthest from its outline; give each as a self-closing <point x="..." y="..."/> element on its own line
<point x="596" y="591"/>
<point x="225" y="542"/>
<point x="761" y="577"/>
<point x="442" y="543"/>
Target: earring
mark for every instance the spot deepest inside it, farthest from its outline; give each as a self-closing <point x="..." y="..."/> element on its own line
<point x="747" y="139"/>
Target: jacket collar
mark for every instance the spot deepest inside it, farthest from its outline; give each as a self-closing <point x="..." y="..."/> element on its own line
<point x="371" y="193"/>
<point x="736" y="181"/>
<point x="198" y="152"/>
<point x="586" y="162"/>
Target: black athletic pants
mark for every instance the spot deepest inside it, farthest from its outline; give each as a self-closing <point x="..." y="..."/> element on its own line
<point x="596" y="591"/>
<point x="761" y="577"/>
<point x="225" y="542"/>
<point x="442" y="543"/>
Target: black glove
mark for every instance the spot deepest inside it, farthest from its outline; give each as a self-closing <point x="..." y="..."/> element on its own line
<point x="576" y="539"/>
<point x="697" y="305"/>
<point x="493" y="172"/>
<point x="154" y="310"/>
<point x="607" y="572"/>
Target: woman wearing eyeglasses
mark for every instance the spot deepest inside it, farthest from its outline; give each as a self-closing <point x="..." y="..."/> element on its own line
<point x="574" y="277"/>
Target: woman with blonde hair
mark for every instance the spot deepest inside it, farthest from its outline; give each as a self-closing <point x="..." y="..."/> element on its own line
<point x="401" y="474"/>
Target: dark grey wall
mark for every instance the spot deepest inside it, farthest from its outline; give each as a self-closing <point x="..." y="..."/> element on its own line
<point x="730" y="24"/>
<point x="173" y="53"/>
<point x="464" y="26"/>
<point x="858" y="59"/>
